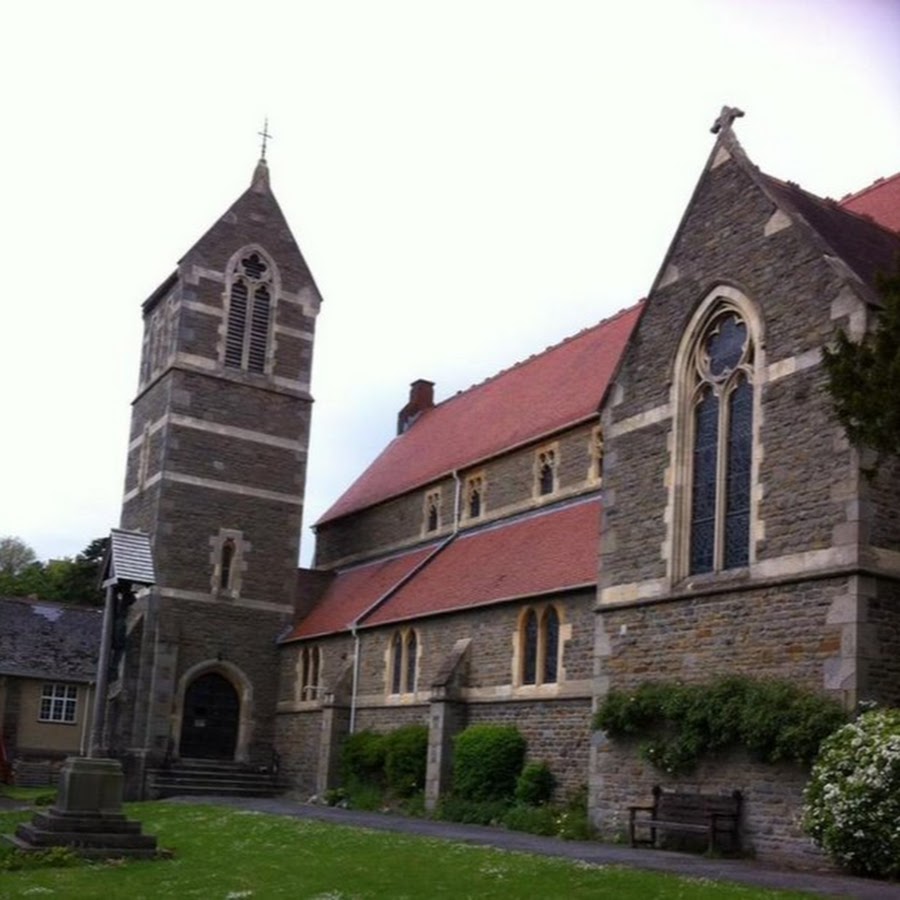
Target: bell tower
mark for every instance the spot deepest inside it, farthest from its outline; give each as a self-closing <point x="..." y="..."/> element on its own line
<point x="216" y="471"/>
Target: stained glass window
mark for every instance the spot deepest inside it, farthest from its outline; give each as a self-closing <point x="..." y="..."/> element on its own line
<point x="396" y="663"/>
<point x="411" y="651"/>
<point x="529" y="657"/>
<point x="551" y="645"/>
<point x="721" y="452"/>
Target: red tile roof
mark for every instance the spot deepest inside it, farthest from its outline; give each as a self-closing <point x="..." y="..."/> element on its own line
<point x="355" y="590"/>
<point x="545" y="552"/>
<point x="537" y="397"/>
<point x="880" y="201"/>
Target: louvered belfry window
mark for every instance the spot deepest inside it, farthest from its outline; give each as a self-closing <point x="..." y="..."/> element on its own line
<point x="249" y="312"/>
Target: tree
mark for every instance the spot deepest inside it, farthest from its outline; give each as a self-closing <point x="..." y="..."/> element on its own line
<point x="15" y="555"/>
<point x="864" y="380"/>
<point x="65" y="580"/>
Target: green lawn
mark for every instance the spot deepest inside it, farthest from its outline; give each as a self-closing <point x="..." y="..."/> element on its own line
<point x="226" y="854"/>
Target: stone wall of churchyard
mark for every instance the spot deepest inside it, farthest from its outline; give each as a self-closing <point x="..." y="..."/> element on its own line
<point x="772" y="798"/>
<point x="509" y="487"/>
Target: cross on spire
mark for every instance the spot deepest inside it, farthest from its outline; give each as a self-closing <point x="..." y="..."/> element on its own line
<point x="264" y="134"/>
<point x="726" y="118"/>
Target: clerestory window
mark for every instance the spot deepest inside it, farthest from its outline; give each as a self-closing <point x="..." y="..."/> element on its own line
<point x="250" y="299"/>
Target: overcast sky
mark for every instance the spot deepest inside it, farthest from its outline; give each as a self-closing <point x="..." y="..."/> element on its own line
<point x="468" y="181"/>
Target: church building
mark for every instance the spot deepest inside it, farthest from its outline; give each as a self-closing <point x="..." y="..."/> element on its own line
<point x="664" y="495"/>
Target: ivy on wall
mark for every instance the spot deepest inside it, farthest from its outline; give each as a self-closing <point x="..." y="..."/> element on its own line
<point x="678" y="724"/>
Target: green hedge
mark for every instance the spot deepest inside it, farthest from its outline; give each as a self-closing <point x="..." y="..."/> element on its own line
<point x="487" y="760"/>
<point x="680" y="723"/>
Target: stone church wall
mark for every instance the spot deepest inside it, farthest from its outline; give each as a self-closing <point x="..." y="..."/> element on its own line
<point x="509" y="489"/>
<point x="772" y="798"/>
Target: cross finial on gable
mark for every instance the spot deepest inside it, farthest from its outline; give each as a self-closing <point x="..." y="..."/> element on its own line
<point x="264" y="134"/>
<point x="726" y="118"/>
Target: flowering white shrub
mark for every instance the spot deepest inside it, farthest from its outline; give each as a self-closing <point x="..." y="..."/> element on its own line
<point x="852" y="801"/>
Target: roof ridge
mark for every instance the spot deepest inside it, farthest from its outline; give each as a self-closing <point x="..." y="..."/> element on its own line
<point x="838" y="206"/>
<point x="541" y="353"/>
<point x="878" y="182"/>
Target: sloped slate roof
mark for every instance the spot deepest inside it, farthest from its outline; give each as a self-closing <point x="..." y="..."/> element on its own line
<point x="880" y="201"/>
<point x="39" y="639"/>
<point x="864" y="245"/>
<point x="539" y="396"/>
<point x="548" y="551"/>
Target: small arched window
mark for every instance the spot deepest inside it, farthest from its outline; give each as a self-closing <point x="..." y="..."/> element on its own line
<point x="310" y="666"/>
<point x="249" y="314"/>
<point x="546" y="472"/>
<point x="228" y="551"/>
<point x="404" y="661"/>
<point x="539" y="640"/>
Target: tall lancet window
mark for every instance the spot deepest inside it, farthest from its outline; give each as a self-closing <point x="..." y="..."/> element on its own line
<point x="249" y="313"/>
<point x="720" y="372"/>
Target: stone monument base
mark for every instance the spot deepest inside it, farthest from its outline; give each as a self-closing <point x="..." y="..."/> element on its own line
<point x="87" y="817"/>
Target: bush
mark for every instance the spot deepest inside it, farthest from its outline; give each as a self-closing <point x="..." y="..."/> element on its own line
<point x="363" y="757"/>
<point x="406" y="759"/>
<point x="853" y="797"/>
<point x="679" y="723"/>
<point x="487" y="760"/>
<point x="532" y="819"/>
<point x="472" y="812"/>
<point x="535" y="785"/>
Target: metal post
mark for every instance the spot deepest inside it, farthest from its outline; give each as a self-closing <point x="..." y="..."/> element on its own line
<point x="99" y="720"/>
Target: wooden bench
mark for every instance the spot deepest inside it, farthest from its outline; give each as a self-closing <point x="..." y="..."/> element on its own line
<point x="716" y="816"/>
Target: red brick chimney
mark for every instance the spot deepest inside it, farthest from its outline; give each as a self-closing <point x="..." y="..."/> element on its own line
<point x="421" y="397"/>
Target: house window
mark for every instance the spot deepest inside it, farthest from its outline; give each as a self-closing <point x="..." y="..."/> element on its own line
<point x="546" y="471"/>
<point x="718" y="418"/>
<point x="310" y="664"/>
<point x="432" y="511"/>
<point x="249" y="313"/>
<point x="404" y="661"/>
<point x="59" y="703"/>
<point x="475" y="496"/>
<point x="539" y="642"/>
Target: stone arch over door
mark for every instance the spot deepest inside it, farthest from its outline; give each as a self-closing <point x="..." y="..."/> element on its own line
<point x="213" y="713"/>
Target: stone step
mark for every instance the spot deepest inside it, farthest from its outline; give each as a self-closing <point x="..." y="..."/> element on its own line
<point x="36" y="837"/>
<point x="72" y="822"/>
<point x="90" y="852"/>
<point x="169" y="789"/>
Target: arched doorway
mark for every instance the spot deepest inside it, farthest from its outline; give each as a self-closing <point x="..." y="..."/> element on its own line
<point x="209" y="725"/>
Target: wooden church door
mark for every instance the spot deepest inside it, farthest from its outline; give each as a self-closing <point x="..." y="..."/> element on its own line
<point x="209" y="726"/>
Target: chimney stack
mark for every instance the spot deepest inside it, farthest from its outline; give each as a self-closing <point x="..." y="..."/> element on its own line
<point x="421" y="397"/>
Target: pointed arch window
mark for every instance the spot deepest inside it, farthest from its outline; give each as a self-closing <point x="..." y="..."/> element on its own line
<point x="249" y="314"/>
<point x="228" y="551"/>
<point x="404" y="661"/>
<point x="539" y="634"/>
<point x="475" y="496"/>
<point x="720" y="418"/>
<point x="310" y="672"/>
